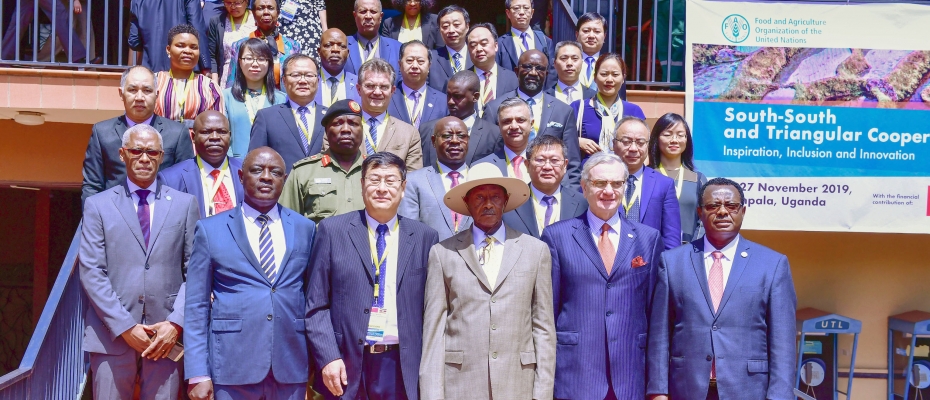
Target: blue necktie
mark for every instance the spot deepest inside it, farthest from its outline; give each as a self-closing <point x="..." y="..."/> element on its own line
<point x="633" y="213"/>
<point x="526" y="46"/>
<point x="380" y="245"/>
<point x="532" y="103"/>
<point x="266" y="248"/>
<point x="458" y="62"/>
<point x="590" y="70"/>
<point x="302" y="111"/>
<point x="373" y="132"/>
<point x="143" y="213"/>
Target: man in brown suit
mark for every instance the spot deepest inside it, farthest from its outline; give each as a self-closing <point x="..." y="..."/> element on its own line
<point x="488" y="328"/>
<point x="381" y="131"/>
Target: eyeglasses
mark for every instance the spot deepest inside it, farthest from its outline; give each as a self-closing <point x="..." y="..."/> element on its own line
<point x="234" y="3"/>
<point x="250" y="59"/>
<point x="627" y="142"/>
<point x="391" y="181"/>
<point x="371" y="87"/>
<point x="297" y="76"/>
<point x="555" y="162"/>
<point x="219" y="132"/>
<point x="136" y="153"/>
<point x="517" y="9"/>
<point x="602" y="184"/>
<point x="449" y="136"/>
<point x="731" y="207"/>
<point x="531" y="68"/>
<point x="669" y="135"/>
<point x="413" y="2"/>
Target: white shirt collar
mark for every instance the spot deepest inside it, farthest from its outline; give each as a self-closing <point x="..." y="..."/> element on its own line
<point x="207" y="168"/>
<point x="366" y="117"/>
<point x="639" y="174"/>
<point x="511" y="154"/>
<point x="447" y="169"/>
<point x="477" y="235"/>
<point x="596" y="223"/>
<point x="327" y="75"/>
<point x="586" y="55"/>
<point x="539" y="195"/>
<point x="470" y="121"/>
<point x="463" y="54"/>
<point x="407" y="90"/>
<point x="251" y="214"/>
<point x="516" y="33"/>
<point x="729" y="251"/>
<point x="311" y="105"/>
<point x="480" y="71"/>
<point x="576" y="86"/>
<point x="538" y="98"/>
<point x="373" y="224"/>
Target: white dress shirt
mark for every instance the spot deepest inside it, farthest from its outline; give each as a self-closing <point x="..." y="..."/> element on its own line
<point x="470" y="121"/>
<point x="325" y="86"/>
<point x="491" y="267"/>
<point x="150" y="199"/>
<point x="253" y="231"/>
<point x="729" y="252"/>
<point x="444" y="171"/>
<point x="408" y="100"/>
<point x="540" y="207"/>
<point x="596" y="223"/>
<point x="311" y="118"/>
<point x="518" y="41"/>
<point x="510" y="168"/>
<point x="379" y="131"/>
<point x="463" y="56"/>
<point x="390" y="274"/>
<point x="208" y="182"/>
<point x="536" y="108"/>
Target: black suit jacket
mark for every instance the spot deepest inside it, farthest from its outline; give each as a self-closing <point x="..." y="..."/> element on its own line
<point x="433" y="108"/>
<point x="507" y="81"/>
<point x="523" y="218"/>
<point x="507" y="52"/>
<point x="440" y="69"/>
<point x="102" y="167"/>
<point x="276" y="127"/>
<point x="429" y="25"/>
<point x="483" y="139"/>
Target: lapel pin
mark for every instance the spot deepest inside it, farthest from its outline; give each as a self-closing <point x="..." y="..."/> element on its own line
<point x="629" y="235"/>
<point x="744" y="254"/>
<point x="430" y="105"/>
<point x="168" y="198"/>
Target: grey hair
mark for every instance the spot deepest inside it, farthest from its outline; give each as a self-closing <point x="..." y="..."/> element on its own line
<point x="141" y="128"/>
<point x="629" y="119"/>
<point x="513" y="102"/>
<point x="564" y="43"/>
<point x="603" y="158"/>
<point x="127" y="71"/>
<point x="376" y="65"/>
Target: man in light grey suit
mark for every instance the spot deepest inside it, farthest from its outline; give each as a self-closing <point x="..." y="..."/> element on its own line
<point x="426" y="187"/>
<point x="488" y="329"/>
<point x="135" y="243"/>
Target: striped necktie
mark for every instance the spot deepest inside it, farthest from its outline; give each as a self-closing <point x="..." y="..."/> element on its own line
<point x="370" y="146"/>
<point x="457" y="58"/>
<point x="489" y="91"/>
<point x="304" y="141"/>
<point x="266" y="248"/>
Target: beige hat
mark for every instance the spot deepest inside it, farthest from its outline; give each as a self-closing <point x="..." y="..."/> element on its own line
<point x="487" y="174"/>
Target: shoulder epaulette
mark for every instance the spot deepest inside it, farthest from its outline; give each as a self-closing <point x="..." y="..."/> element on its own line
<point x="326" y="160"/>
<point x="308" y="160"/>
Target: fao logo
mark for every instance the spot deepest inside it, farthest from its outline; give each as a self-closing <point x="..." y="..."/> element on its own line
<point x="735" y="28"/>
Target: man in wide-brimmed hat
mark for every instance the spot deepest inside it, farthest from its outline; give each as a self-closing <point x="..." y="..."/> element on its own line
<point x="488" y="324"/>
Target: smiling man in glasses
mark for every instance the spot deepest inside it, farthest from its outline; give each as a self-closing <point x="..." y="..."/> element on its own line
<point x="723" y="316"/>
<point x="603" y="274"/>
<point x="136" y="239"/>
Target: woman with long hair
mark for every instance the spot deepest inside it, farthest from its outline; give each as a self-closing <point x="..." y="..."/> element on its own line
<point x="671" y="152"/>
<point x="182" y="93"/>
<point x="415" y="22"/>
<point x="598" y="116"/>
<point x="252" y="89"/>
<point x="235" y="22"/>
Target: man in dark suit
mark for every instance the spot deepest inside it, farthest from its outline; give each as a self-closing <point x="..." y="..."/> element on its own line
<point x="416" y="102"/>
<point x="211" y="177"/>
<point x="429" y="25"/>
<point x="590" y="32"/>
<point x="136" y="238"/>
<point x="522" y="37"/>
<point x="453" y="57"/>
<point x="336" y="83"/>
<point x="649" y="197"/>
<point x="426" y="187"/>
<point x="461" y="97"/>
<point x="103" y="167"/>
<point x="568" y="68"/>
<point x="603" y="275"/>
<point x="292" y="129"/>
<point x="373" y="354"/>
<point x="482" y="47"/>
<point x="367" y="44"/>
<point x="723" y="317"/>
<point x="246" y="304"/>
<point x="550" y="201"/>
<point x="550" y="116"/>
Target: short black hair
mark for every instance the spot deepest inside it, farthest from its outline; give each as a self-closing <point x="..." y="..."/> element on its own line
<point x="665" y="123"/>
<point x="294" y="58"/>
<point x="415" y="42"/>
<point x="722" y="182"/>
<point x="451" y="9"/>
<point x="507" y="3"/>
<point x="259" y="48"/>
<point x="588" y="17"/>
<point x="384" y="159"/>
<point x="182" y="28"/>
<point x="469" y="78"/>
<point x="486" y="25"/>
<point x="543" y="141"/>
<point x="425" y="5"/>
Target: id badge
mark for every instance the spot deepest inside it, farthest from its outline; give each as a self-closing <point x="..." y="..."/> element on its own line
<point x="376" y="324"/>
<point x="289" y="10"/>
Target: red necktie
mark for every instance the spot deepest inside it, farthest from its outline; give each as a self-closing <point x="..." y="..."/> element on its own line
<point x="517" y="162"/>
<point x="715" y="283"/>
<point x="456" y="217"/>
<point x="607" y="248"/>
<point x="221" y="200"/>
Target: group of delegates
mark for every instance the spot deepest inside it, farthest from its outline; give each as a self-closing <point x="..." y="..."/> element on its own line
<point x="534" y="238"/>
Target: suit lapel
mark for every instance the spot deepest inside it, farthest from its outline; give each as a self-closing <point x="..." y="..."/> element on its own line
<point x="510" y="47"/>
<point x="447" y="62"/>
<point x="288" y="224"/>
<point x="477" y="134"/>
<point x="234" y="169"/>
<point x="237" y="229"/>
<point x="466" y="249"/>
<point x="287" y="115"/>
<point x="355" y="56"/>
<point x="697" y="263"/>
<point x="121" y="126"/>
<point x="405" y="246"/>
<point x="585" y="241"/>
<point x="648" y="186"/>
<point x="123" y="202"/>
<point x="527" y="214"/>
<point x="540" y="44"/>
<point x="736" y="271"/>
<point x="358" y="234"/>
<point x="432" y="96"/>
<point x="546" y="113"/>
<point x="622" y="265"/>
<point x="316" y="141"/>
<point x="400" y="106"/>
<point x="193" y="183"/>
<point x="162" y="208"/>
<point x="388" y="135"/>
<point x="439" y="192"/>
<point x="512" y="250"/>
<point x="570" y="204"/>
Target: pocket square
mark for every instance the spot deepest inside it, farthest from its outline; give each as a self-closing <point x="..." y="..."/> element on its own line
<point x="554" y="124"/>
<point x="638" y="262"/>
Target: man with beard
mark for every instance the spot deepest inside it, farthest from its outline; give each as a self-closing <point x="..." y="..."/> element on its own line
<point x="462" y="95"/>
<point x="335" y="82"/>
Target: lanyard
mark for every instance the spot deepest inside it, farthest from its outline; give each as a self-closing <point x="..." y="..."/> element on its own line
<point x="637" y="192"/>
<point x="681" y="179"/>
<point x="415" y="23"/>
<point x="233" y="23"/>
<point x="378" y="262"/>
<point x="537" y="117"/>
<point x="300" y="125"/>
<point x="374" y="49"/>
<point x="410" y="110"/>
<point x="327" y="91"/>
<point x="250" y="103"/>
<point x="224" y="169"/>
<point x="180" y="100"/>
<point x="367" y="130"/>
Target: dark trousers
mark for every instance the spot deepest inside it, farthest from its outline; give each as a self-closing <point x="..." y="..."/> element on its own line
<point x="115" y="376"/>
<point x="267" y="389"/>
<point x="712" y="393"/>
<point x="381" y="377"/>
<point x="25" y="15"/>
<point x="105" y="18"/>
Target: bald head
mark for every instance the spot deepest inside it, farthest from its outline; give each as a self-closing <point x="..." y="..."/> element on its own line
<point x="262" y="176"/>
<point x="334" y="50"/>
<point x="211" y="137"/>
<point x="532" y="71"/>
<point x="450" y="138"/>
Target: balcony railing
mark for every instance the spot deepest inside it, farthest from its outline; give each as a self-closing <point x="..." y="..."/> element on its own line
<point x="54" y="366"/>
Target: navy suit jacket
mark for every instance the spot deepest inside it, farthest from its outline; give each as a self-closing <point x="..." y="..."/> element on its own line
<point x="507" y="81"/>
<point x="523" y="218"/>
<point x="593" y="309"/>
<point x="340" y="295"/>
<point x="351" y="91"/>
<point x="185" y="177"/>
<point x="250" y="326"/>
<point x="658" y="207"/>
<point x="483" y="139"/>
<point x="440" y="69"/>
<point x="752" y="333"/>
<point x="276" y="127"/>
<point x="388" y="50"/>
<point x="508" y="58"/>
<point x="429" y="26"/>
<point x="586" y="92"/>
<point x="433" y="108"/>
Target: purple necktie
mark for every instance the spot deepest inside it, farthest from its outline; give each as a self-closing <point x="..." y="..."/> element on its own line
<point x="143" y="213"/>
<point x="526" y="45"/>
<point x="548" y="200"/>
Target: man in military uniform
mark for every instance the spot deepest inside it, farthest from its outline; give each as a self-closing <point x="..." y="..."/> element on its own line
<point x="330" y="183"/>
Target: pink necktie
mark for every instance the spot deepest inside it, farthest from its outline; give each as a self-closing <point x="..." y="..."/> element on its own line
<point x="456" y="217"/>
<point x="517" y="161"/>
<point x="715" y="283"/>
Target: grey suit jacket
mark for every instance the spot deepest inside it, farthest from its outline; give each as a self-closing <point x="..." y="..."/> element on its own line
<point x="102" y="167"/>
<point x="401" y="139"/>
<point x="523" y="218"/>
<point x="126" y="282"/>
<point x="483" y="139"/>
<point x="482" y="341"/>
<point x="423" y="201"/>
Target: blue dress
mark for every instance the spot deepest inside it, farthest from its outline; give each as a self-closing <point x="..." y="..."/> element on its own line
<point x="240" y="125"/>
<point x="591" y="121"/>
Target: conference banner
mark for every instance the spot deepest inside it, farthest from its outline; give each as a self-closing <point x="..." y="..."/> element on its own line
<point x="821" y="111"/>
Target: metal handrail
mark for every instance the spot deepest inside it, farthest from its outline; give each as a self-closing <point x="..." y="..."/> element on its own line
<point x="54" y="366"/>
